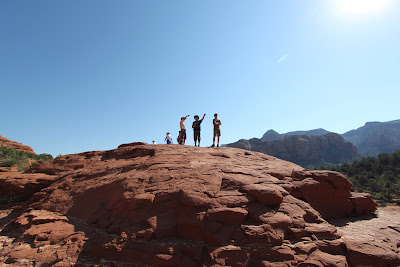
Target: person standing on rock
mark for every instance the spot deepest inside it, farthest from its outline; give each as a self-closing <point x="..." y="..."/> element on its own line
<point x="217" y="130"/>
<point x="168" y="138"/>
<point x="183" y="130"/>
<point x="196" y="128"/>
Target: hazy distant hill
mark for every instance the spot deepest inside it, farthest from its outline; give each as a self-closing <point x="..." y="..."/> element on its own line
<point x="375" y="138"/>
<point x="371" y="139"/>
<point x="305" y="150"/>
<point x="272" y="135"/>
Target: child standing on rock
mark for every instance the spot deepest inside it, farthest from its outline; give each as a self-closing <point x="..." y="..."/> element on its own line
<point x="196" y="128"/>
<point x="217" y="131"/>
<point x="168" y="138"/>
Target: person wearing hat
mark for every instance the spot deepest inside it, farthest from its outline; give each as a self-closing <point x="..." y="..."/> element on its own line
<point x="168" y="138"/>
<point x="217" y="130"/>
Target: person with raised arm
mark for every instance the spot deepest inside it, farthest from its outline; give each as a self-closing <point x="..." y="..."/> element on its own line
<point x="196" y="128"/>
<point x="183" y="130"/>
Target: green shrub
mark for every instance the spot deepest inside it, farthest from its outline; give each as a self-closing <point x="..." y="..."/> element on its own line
<point x="382" y="203"/>
<point x="44" y="157"/>
<point x="11" y="157"/>
<point x="378" y="176"/>
<point x="8" y="162"/>
<point x="6" y="199"/>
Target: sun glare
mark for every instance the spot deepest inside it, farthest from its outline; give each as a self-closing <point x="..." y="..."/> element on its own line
<point x="363" y="7"/>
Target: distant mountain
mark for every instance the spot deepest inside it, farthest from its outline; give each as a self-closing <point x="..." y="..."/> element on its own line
<point x="310" y="148"/>
<point x="375" y="138"/>
<point x="305" y="150"/>
<point x="316" y="132"/>
<point x="272" y="135"/>
<point x="372" y="139"/>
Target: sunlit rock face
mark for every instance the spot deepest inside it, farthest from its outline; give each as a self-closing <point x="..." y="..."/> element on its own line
<point x="159" y="205"/>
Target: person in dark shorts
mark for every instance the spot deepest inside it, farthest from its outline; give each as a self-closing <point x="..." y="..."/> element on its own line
<point x="196" y="129"/>
<point x="217" y="130"/>
<point x="179" y="139"/>
<point x="183" y="130"/>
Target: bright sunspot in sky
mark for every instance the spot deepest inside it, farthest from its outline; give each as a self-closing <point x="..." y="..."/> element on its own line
<point x="363" y="7"/>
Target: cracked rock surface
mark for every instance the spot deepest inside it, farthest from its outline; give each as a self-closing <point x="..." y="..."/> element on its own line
<point x="159" y="205"/>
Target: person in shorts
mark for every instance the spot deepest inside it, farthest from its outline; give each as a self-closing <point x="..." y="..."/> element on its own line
<point x="183" y="130"/>
<point x="168" y="138"/>
<point x="196" y="129"/>
<point x="217" y="131"/>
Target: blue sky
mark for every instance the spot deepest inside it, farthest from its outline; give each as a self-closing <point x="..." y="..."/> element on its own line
<point x="90" y="75"/>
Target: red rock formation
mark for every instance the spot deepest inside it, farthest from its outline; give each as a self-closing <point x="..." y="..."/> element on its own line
<point x="22" y="186"/>
<point x="4" y="142"/>
<point x="305" y="150"/>
<point x="331" y="194"/>
<point x="372" y="241"/>
<point x="146" y="205"/>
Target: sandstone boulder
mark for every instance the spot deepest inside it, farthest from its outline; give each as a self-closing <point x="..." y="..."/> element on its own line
<point x="331" y="194"/>
<point x="363" y="203"/>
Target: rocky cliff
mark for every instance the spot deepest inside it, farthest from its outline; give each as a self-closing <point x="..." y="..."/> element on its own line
<point x="4" y="142"/>
<point x="375" y="138"/>
<point x="372" y="139"/>
<point x="272" y="135"/>
<point x="305" y="150"/>
<point x="142" y="205"/>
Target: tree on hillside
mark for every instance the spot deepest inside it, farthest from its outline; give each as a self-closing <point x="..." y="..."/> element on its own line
<point x="378" y="176"/>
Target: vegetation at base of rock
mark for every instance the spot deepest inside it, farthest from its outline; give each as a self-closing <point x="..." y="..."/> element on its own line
<point x="378" y="176"/>
<point x="11" y="157"/>
<point x="6" y="199"/>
